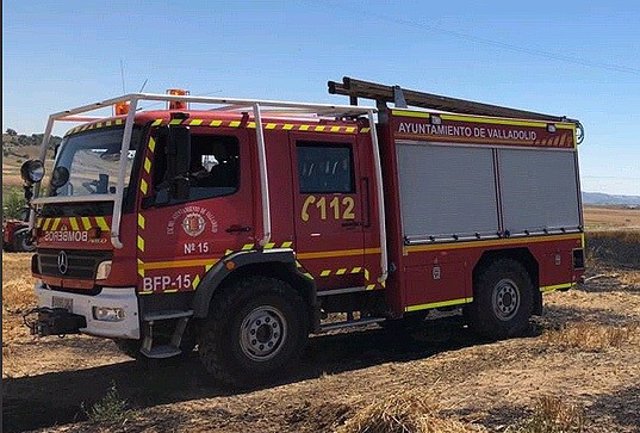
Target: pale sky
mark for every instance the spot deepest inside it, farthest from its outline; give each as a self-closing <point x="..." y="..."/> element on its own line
<point x="567" y="58"/>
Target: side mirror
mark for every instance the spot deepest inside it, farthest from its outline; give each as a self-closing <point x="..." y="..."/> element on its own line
<point x="32" y="171"/>
<point x="59" y="177"/>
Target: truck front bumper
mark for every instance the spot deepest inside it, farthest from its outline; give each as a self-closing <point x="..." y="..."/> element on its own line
<point x="124" y="299"/>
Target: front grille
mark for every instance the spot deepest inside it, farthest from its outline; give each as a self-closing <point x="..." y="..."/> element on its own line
<point x="82" y="264"/>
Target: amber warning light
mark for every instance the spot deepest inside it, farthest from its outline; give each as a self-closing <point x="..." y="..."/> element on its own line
<point x="178" y="105"/>
<point x="121" y="108"/>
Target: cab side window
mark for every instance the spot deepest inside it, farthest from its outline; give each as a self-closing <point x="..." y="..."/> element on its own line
<point x="214" y="171"/>
<point x="325" y="168"/>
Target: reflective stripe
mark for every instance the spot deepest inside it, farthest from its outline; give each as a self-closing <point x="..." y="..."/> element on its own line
<point x="141" y="221"/>
<point x="143" y="186"/>
<point x="270" y="126"/>
<point x="325" y="273"/>
<point x="152" y="144"/>
<point x="140" y="243"/>
<point x="56" y="222"/>
<point x="215" y="123"/>
<point x="338" y="253"/>
<point x="175" y="122"/>
<point x="341" y="271"/>
<point x="196" y="281"/>
<point x="438" y="304"/>
<point x="147" y="165"/>
<point x="495" y="242"/>
<point x="74" y="224"/>
<point x="195" y="122"/>
<point x="548" y="289"/>
<point x="234" y="124"/>
<point x="157" y="122"/>
<point x="102" y="223"/>
<point x="86" y="223"/>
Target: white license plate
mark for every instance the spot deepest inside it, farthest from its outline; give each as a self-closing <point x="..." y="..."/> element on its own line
<point x="59" y="302"/>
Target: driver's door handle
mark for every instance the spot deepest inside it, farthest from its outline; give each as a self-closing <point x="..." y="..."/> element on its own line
<point x="237" y="228"/>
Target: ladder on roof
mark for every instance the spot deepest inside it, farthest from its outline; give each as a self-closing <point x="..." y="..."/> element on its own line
<point x="403" y="98"/>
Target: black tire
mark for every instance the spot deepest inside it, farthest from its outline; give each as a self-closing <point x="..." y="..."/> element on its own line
<point x="131" y="348"/>
<point x="233" y="342"/>
<point x="22" y="241"/>
<point x="503" y="300"/>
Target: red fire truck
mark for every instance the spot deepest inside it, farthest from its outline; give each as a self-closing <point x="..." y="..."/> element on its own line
<point x="239" y="226"/>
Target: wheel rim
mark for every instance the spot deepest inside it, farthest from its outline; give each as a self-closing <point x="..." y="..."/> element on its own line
<point x="506" y="299"/>
<point x="263" y="333"/>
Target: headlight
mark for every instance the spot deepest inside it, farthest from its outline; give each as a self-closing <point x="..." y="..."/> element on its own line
<point x="108" y="314"/>
<point x="32" y="171"/>
<point x="104" y="269"/>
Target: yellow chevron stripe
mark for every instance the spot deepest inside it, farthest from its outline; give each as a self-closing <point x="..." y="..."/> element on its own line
<point x="141" y="221"/>
<point x="86" y="223"/>
<point x="341" y="271"/>
<point x="157" y="122"/>
<point x="549" y="289"/>
<point x="147" y="165"/>
<point x="143" y="186"/>
<point x="371" y="286"/>
<point x="195" y="122"/>
<point x="196" y="281"/>
<point x="356" y="270"/>
<point x="270" y="126"/>
<point x="175" y="122"/>
<point x="304" y="127"/>
<point x="140" y="268"/>
<point x="215" y="123"/>
<point x="325" y="273"/>
<point x="102" y="223"/>
<point x="350" y="129"/>
<point x="269" y="245"/>
<point x="286" y="244"/>
<point x="152" y="144"/>
<point x="319" y="128"/>
<point x="234" y="123"/>
<point x="287" y="126"/>
<point x="140" y="243"/>
<point x="56" y="222"/>
<point x="335" y="129"/>
<point x="74" y="224"/>
<point x="45" y="225"/>
<point x="246" y="247"/>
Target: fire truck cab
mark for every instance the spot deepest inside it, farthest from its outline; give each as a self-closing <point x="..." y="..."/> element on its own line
<point x="240" y="228"/>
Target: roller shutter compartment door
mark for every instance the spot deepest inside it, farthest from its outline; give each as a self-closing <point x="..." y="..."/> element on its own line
<point x="539" y="190"/>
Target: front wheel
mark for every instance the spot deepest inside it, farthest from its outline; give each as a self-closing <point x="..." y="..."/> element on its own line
<point x="503" y="300"/>
<point x="22" y="241"/>
<point x="256" y="329"/>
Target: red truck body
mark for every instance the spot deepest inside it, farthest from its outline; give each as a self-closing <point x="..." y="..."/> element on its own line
<point x="324" y="205"/>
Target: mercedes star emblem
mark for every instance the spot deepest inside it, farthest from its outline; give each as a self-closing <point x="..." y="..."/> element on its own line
<point x="63" y="262"/>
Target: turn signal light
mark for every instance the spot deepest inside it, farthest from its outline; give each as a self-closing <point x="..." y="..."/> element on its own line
<point x="121" y="108"/>
<point x="178" y="105"/>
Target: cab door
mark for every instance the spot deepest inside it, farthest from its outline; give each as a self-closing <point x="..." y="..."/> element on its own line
<point x="328" y="204"/>
<point x="179" y="240"/>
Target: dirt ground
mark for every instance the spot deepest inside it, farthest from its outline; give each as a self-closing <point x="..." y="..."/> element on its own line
<point x="584" y="350"/>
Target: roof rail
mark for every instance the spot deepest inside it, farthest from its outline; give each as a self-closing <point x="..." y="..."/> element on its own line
<point x="382" y="94"/>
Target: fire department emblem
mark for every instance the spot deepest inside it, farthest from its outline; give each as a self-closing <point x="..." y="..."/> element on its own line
<point x="193" y="224"/>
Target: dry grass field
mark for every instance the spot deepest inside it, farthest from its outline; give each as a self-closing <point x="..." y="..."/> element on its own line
<point x="598" y="218"/>
<point x="576" y="370"/>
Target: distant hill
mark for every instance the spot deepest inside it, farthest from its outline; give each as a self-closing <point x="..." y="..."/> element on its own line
<point x="12" y="142"/>
<point x="599" y="198"/>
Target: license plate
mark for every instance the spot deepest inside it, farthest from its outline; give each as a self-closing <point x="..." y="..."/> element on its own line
<point x="59" y="302"/>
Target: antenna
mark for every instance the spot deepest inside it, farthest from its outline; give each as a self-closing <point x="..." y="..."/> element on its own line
<point x="143" y="85"/>
<point x="122" y="75"/>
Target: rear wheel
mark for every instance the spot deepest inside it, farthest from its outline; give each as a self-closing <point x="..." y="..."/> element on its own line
<point x="256" y="330"/>
<point x="503" y="300"/>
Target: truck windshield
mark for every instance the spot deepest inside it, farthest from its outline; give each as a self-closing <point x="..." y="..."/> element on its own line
<point x="92" y="160"/>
